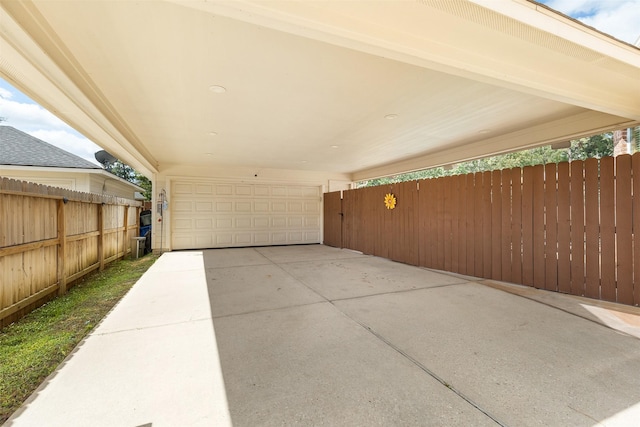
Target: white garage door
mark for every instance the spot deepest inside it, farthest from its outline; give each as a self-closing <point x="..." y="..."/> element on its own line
<point x="210" y="214"/>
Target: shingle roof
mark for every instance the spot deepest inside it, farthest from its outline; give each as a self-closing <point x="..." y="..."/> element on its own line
<point x="20" y="149"/>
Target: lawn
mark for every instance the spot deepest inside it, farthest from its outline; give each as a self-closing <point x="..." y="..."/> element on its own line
<point x="32" y="348"/>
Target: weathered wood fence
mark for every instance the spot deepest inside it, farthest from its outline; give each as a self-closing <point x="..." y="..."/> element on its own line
<point x="50" y="237"/>
<point x="571" y="227"/>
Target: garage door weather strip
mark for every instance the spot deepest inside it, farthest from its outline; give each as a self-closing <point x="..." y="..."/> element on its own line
<point x="430" y="373"/>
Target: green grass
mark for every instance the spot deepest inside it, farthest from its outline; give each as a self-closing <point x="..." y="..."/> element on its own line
<point x="32" y="347"/>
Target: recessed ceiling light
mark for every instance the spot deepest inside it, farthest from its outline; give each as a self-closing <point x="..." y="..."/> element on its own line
<point x="391" y="116"/>
<point x="213" y="133"/>
<point x="217" y="89"/>
<point x="209" y="154"/>
<point x="483" y="131"/>
<point x="334" y="146"/>
<point x="303" y="161"/>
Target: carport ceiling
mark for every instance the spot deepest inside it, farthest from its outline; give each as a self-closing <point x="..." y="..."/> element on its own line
<point x="364" y="88"/>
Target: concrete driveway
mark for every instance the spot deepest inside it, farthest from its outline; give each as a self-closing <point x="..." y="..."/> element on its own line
<point x="313" y="335"/>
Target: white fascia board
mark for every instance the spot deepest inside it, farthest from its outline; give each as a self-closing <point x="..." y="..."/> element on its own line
<point x="109" y="175"/>
<point x="549" y="20"/>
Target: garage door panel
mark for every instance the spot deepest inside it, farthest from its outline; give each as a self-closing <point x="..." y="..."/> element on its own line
<point x="182" y="206"/>
<point x="312" y="207"/>
<point x="279" y="238"/>
<point x="243" y="206"/>
<point x="311" y="236"/>
<point x="244" y="190"/>
<point x="278" y="206"/>
<point x="204" y="207"/>
<point x="224" y="239"/>
<point x="224" y="190"/>
<point x="224" y="223"/>
<point x="204" y="189"/>
<point x="204" y="224"/>
<point x="183" y="188"/>
<point x="295" y="237"/>
<point x="294" y="222"/>
<point x="244" y="239"/>
<point x="279" y="191"/>
<point x="279" y="222"/>
<point x="243" y="223"/>
<point x="222" y="214"/>
<point x="261" y="222"/>
<point x="224" y="207"/>
<point x="295" y="207"/>
<point x="261" y="190"/>
<point x="311" y="222"/>
<point x="262" y="206"/>
<point x="203" y="240"/>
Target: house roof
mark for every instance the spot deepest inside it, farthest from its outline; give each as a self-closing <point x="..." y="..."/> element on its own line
<point x="363" y="89"/>
<point x="18" y="148"/>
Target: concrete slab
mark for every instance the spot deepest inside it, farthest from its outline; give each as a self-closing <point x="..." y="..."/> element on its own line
<point x="353" y="277"/>
<point x="285" y="254"/>
<point x="164" y="296"/>
<point x="252" y="288"/>
<point x="235" y="257"/>
<point x="339" y="339"/>
<point x="161" y="376"/>
<point x="152" y="361"/>
<point x="526" y="363"/>
<point x="313" y="366"/>
<point x="623" y="318"/>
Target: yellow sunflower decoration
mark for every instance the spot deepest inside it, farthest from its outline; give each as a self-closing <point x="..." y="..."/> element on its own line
<point x="390" y="201"/>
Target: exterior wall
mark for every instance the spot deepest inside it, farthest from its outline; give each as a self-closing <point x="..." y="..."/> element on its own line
<point x="169" y="174"/>
<point x="108" y="184"/>
<point x="96" y="181"/>
<point x="68" y="179"/>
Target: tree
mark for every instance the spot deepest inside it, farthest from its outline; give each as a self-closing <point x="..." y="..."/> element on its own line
<point x="121" y="170"/>
<point x="128" y="173"/>
<point x="597" y="146"/>
<point x="145" y="183"/>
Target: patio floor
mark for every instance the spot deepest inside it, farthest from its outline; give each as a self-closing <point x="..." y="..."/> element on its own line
<point x="313" y="335"/>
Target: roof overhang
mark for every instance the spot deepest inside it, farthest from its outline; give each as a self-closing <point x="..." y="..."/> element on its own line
<point x="309" y="83"/>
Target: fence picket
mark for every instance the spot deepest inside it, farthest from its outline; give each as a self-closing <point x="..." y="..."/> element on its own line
<point x="551" y="227"/>
<point x="624" y="230"/>
<point x="578" y="238"/>
<point x="516" y="225"/>
<point x="539" y="273"/>
<point x="607" y="230"/>
<point x="592" y="228"/>
<point x="564" y="229"/>
<point x="496" y="225"/>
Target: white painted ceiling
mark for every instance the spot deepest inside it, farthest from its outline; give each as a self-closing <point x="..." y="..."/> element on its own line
<point x="309" y="84"/>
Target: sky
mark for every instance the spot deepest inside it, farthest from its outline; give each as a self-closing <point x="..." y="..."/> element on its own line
<point x="619" y="18"/>
<point x="24" y="114"/>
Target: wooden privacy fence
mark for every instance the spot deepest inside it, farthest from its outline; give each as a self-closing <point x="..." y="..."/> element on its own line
<point x="571" y="227"/>
<point x="50" y="237"/>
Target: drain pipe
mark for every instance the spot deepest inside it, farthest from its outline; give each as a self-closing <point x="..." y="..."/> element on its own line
<point x="162" y="206"/>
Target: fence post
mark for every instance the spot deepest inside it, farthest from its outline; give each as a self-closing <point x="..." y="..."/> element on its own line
<point x="101" y="235"/>
<point x="62" y="243"/>
<point x="125" y="232"/>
